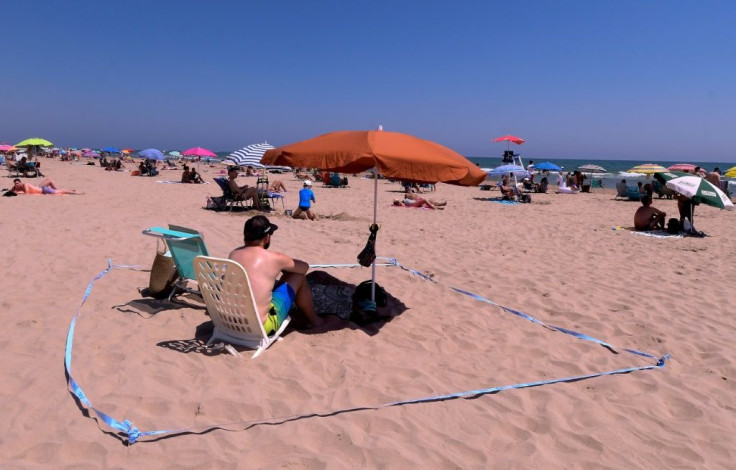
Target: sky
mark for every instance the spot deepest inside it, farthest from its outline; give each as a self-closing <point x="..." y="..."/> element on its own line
<point x="625" y="79"/>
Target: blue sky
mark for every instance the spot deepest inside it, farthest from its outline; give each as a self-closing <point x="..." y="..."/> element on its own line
<point x="643" y="80"/>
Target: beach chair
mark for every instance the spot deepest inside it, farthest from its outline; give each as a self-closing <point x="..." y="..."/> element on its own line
<point x="184" y="245"/>
<point x="12" y="168"/>
<point x="632" y="192"/>
<point x="267" y="197"/>
<point x="230" y="199"/>
<point x="226" y="290"/>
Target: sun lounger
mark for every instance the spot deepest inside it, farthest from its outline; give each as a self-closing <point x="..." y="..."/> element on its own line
<point x="184" y="245"/>
<point x="230" y="199"/>
<point x="226" y="290"/>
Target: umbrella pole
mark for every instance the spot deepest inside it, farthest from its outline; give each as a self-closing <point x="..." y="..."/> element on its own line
<point x="375" y="213"/>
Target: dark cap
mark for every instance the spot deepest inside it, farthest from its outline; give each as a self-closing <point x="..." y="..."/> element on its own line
<point x="258" y="227"/>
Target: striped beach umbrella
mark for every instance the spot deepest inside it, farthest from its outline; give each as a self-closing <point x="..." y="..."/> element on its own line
<point x="647" y="169"/>
<point x="249" y="155"/>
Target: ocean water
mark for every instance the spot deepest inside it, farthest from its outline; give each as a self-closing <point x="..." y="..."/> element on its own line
<point x="616" y="170"/>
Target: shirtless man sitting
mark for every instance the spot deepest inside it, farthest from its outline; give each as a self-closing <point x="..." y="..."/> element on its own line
<point x="647" y="217"/>
<point x="47" y="187"/>
<point x="274" y="296"/>
<point x="242" y="192"/>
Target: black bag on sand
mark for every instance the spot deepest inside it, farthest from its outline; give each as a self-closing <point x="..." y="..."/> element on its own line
<point x="525" y="199"/>
<point x="364" y="310"/>
<point x="368" y="255"/>
<point x="673" y="226"/>
<point x="163" y="274"/>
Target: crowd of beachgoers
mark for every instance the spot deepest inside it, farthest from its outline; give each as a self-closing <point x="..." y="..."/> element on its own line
<point x="555" y="259"/>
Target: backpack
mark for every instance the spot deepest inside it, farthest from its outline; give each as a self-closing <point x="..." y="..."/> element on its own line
<point x="364" y="310"/>
<point x="673" y="226"/>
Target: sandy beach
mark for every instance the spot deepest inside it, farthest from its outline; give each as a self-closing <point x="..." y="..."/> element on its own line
<point x="556" y="259"/>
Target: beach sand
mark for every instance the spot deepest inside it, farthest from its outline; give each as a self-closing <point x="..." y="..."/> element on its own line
<point x="557" y="259"/>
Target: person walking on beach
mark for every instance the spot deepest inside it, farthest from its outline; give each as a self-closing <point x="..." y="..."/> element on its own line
<point x="277" y="280"/>
<point x="306" y="197"/>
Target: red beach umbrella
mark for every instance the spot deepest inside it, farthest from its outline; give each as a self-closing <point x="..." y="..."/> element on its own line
<point x="688" y="167"/>
<point x="508" y="139"/>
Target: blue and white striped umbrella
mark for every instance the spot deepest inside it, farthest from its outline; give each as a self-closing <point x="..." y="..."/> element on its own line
<point x="249" y="155"/>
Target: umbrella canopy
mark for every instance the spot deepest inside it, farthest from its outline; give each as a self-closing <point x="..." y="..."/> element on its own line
<point x="730" y="173"/>
<point x="7" y="148"/>
<point x="111" y="150"/>
<point x="546" y="166"/>
<point x="647" y="169"/>
<point x="689" y="167"/>
<point x="175" y="153"/>
<point x="590" y="168"/>
<point x="250" y="155"/>
<point x="516" y="170"/>
<point x="152" y="154"/>
<point x="91" y="154"/>
<point x="34" y="141"/>
<point x="393" y="154"/>
<point x="199" y="152"/>
<point x="696" y="188"/>
<point x="127" y="150"/>
<point x="510" y="138"/>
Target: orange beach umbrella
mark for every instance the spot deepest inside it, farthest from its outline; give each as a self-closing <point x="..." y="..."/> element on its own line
<point x="393" y="154"/>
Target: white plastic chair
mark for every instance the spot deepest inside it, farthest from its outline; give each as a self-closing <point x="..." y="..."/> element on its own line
<point x="226" y="290"/>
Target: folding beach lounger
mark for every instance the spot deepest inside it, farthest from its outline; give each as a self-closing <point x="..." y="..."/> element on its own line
<point x="184" y="245"/>
<point x="226" y="291"/>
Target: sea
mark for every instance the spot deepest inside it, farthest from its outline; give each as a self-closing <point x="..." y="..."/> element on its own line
<point x="616" y="170"/>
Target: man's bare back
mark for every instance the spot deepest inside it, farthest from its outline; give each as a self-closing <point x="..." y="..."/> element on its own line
<point x="264" y="268"/>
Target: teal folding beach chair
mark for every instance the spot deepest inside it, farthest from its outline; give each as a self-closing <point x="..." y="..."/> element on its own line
<point x="184" y="245"/>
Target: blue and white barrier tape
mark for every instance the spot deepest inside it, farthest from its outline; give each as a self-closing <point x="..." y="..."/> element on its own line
<point x="133" y="434"/>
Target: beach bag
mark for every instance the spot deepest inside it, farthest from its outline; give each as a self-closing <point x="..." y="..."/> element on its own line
<point x="215" y="203"/>
<point x="364" y="309"/>
<point x="525" y="199"/>
<point x="673" y="226"/>
<point x="9" y="193"/>
<point x="163" y="273"/>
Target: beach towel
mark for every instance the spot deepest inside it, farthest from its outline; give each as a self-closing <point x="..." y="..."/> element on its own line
<point x="177" y="182"/>
<point x="500" y="200"/>
<point x="650" y="233"/>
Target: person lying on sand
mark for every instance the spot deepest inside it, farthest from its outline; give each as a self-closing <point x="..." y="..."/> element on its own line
<point x="414" y="197"/>
<point x="47" y="187"/>
<point x="417" y="203"/>
<point x="647" y="217"/>
<point x="274" y="296"/>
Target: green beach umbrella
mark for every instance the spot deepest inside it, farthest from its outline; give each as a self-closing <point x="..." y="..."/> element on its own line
<point x="700" y="191"/>
<point x="35" y="141"/>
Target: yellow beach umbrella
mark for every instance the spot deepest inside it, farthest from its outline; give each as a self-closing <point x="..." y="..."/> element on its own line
<point x="647" y="169"/>
<point x="731" y="172"/>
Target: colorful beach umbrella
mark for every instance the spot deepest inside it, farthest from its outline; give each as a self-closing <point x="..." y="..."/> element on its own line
<point x="515" y="170"/>
<point x="546" y="166"/>
<point x="91" y="154"/>
<point x="151" y="154"/>
<point x="250" y="155"/>
<point x="199" y="152"/>
<point x="7" y="148"/>
<point x="508" y="139"/>
<point x="647" y="169"/>
<point x="698" y="189"/>
<point x="590" y="168"/>
<point x="34" y="141"/>
<point x="393" y="154"/>
<point x="111" y="150"/>
<point x="174" y="153"/>
<point x="688" y="167"/>
<point x="730" y="173"/>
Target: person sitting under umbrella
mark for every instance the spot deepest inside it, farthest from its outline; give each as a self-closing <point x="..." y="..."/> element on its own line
<point x="506" y="190"/>
<point x="648" y="217"/>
